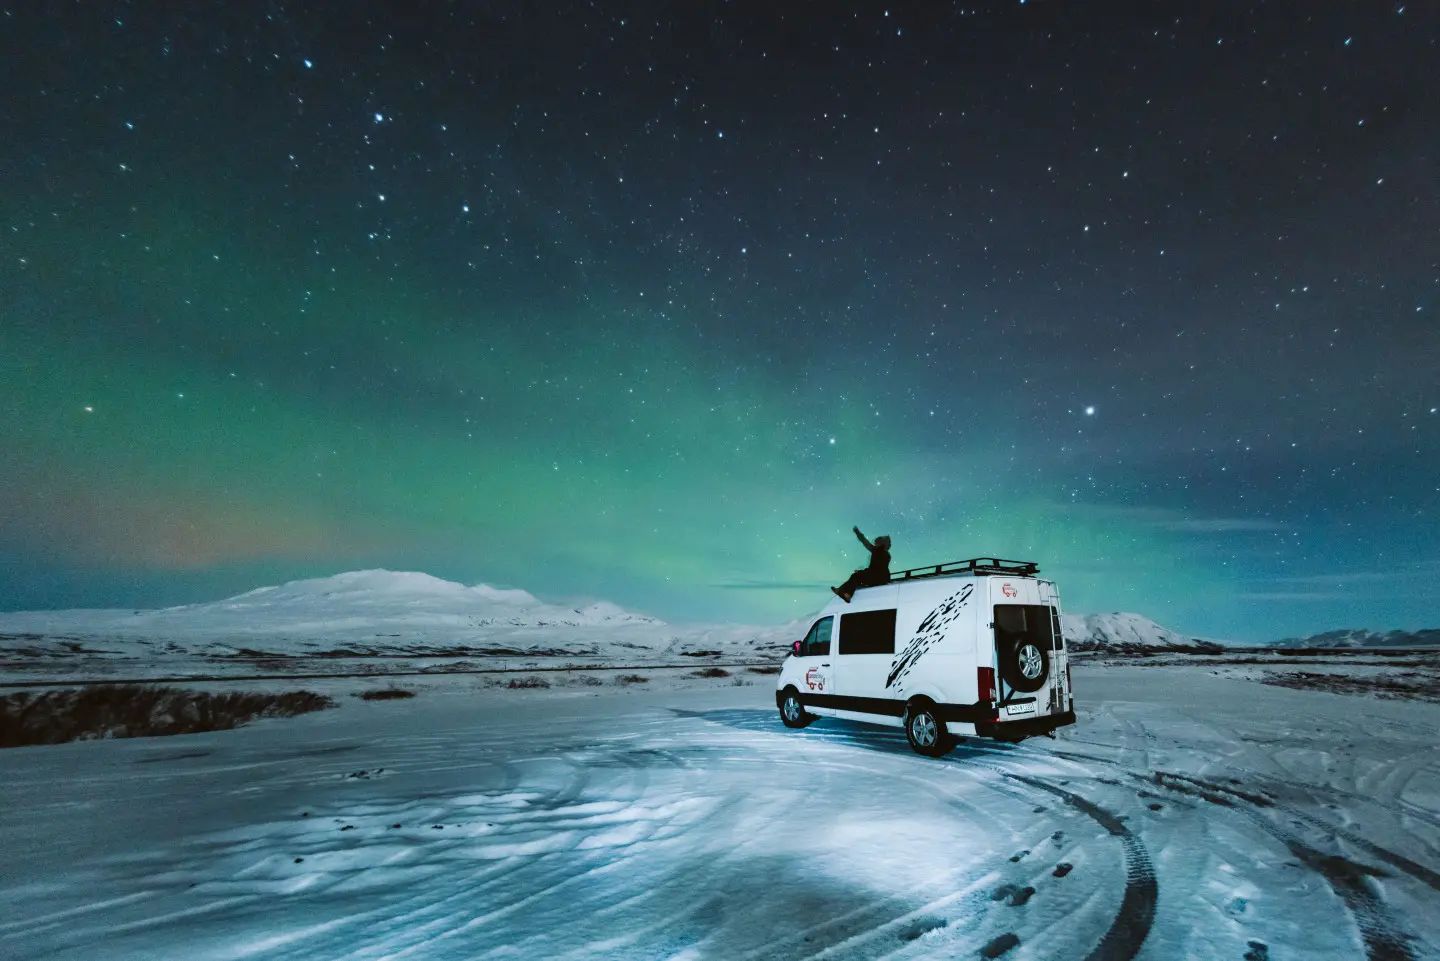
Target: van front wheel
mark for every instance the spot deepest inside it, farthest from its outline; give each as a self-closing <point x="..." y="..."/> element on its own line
<point x="925" y="731"/>
<point x="792" y="712"/>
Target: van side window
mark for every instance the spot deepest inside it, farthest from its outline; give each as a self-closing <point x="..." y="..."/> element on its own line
<point x="867" y="632"/>
<point x="817" y="642"/>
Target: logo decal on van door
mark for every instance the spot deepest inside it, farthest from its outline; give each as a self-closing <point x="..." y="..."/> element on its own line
<point x="930" y="630"/>
<point x="814" y="679"/>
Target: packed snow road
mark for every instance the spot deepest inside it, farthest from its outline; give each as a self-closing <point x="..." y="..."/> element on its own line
<point x="1186" y="815"/>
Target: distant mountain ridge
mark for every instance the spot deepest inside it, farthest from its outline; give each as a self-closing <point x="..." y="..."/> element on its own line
<point x="1126" y="632"/>
<point x="1361" y="637"/>
<point x="379" y="612"/>
<point x="382" y="612"/>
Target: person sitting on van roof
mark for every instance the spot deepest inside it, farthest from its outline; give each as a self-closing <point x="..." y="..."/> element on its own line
<point x="873" y="576"/>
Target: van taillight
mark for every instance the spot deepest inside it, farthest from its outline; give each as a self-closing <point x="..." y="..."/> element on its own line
<point x="985" y="683"/>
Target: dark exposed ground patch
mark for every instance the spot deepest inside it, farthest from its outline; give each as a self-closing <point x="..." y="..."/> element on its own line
<point x="322" y="751"/>
<point x="1062" y="869"/>
<point x="385" y="694"/>
<point x="1257" y="951"/>
<point x="1017" y="856"/>
<point x="181" y="756"/>
<point x="710" y="672"/>
<point x="1405" y="685"/>
<point x="123" y="710"/>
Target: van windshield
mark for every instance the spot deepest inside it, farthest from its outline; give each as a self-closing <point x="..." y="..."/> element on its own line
<point x="1031" y="622"/>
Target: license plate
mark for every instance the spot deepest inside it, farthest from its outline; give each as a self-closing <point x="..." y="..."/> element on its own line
<point x="1020" y="709"/>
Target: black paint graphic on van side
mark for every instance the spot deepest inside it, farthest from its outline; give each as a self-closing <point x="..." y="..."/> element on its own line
<point x="930" y="630"/>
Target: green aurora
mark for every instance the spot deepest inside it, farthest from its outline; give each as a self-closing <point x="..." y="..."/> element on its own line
<point x="242" y="341"/>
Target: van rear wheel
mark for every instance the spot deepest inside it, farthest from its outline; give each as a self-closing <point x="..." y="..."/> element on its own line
<point x="792" y="712"/>
<point x="926" y="731"/>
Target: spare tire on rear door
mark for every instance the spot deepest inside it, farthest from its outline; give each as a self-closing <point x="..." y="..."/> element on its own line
<point x="1024" y="664"/>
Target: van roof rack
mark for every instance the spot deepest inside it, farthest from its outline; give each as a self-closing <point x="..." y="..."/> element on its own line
<point x="975" y="565"/>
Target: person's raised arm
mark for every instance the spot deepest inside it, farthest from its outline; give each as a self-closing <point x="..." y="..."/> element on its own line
<point x="868" y="546"/>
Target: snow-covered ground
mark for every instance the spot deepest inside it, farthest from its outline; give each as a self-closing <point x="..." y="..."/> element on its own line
<point x="1188" y="814"/>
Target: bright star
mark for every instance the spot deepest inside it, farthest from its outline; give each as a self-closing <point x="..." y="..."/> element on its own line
<point x="1090" y="412"/>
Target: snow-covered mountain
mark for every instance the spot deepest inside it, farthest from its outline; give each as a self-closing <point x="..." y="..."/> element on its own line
<point x="1121" y="632"/>
<point x="1360" y="637"/>
<point x="382" y="612"/>
<point x="377" y="612"/>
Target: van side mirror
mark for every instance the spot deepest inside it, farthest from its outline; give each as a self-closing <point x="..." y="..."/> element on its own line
<point x="795" y="649"/>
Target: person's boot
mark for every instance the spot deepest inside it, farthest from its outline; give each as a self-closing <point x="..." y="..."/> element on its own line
<point x="840" y="594"/>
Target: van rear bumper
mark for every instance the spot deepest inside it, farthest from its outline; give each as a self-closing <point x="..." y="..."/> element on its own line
<point x="1031" y="726"/>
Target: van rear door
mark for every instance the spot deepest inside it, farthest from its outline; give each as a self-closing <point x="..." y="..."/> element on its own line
<point x="1029" y="664"/>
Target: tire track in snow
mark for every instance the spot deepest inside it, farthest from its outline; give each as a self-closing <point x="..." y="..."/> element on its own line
<point x="1413" y="868"/>
<point x="1381" y="935"/>
<point x="1136" y="916"/>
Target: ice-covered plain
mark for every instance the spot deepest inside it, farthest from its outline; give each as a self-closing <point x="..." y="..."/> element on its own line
<point x="1187" y="815"/>
<point x="1192" y="812"/>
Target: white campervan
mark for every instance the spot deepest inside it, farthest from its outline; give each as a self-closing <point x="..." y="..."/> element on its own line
<point x="966" y="648"/>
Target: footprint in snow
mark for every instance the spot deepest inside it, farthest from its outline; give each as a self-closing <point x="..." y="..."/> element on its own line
<point x="922" y="927"/>
<point x="1015" y="858"/>
<point x="1012" y="895"/>
<point x="999" y="946"/>
<point x="1259" y="951"/>
<point x="364" y="775"/>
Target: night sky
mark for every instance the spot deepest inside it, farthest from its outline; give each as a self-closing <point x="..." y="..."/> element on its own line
<point x="652" y="302"/>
